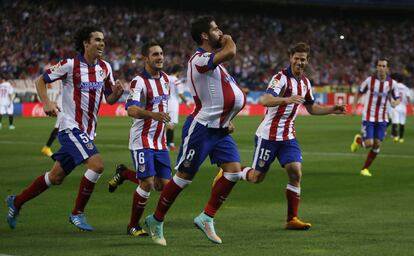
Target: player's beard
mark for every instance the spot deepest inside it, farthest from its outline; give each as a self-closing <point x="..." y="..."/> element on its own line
<point x="214" y="43"/>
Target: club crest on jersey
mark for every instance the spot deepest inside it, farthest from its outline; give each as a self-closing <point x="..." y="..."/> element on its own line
<point x="89" y="145"/>
<point x="101" y="73"/>
<point x="187" y="163"/>
<point x="141" y="167"/>
<point x="261" y="163"/>
<point x="166" y="86"/>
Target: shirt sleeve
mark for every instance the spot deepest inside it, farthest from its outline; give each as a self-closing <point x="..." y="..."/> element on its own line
<point x="276" y="85"/>
<point x="179" y="85"/>
<point x="109" y="82"/>
<point x="57" y="72"/>
<point x="204" y="62"/>
<point x="309" y="99"/>
<point x="363" y="88"/>
<point x="136" y="89"/>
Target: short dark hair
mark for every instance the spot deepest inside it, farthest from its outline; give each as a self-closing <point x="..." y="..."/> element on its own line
<point x="145" y="48"/>
<point x="198" y="26"/>
<point x="383" y="59"/>
<point x="84" y="34"/>
<point x="397" y="77"/>
<point x="299" y="47"/>
<point x="175" y="69"/>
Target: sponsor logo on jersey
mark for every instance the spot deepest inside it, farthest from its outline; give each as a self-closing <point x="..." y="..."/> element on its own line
<point x="86" y="86"/>
<point x="158" y="99"/>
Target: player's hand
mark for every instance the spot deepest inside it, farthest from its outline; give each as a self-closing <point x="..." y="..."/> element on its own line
<point x="224" y="39"/>
<point x="339" y="109"/>
<point x="161" y="117"/>
<point x="51" y="108"/>
<point x="231" y="128"/>
<point x="117" y="88"/>
<point x="295" y="99"/>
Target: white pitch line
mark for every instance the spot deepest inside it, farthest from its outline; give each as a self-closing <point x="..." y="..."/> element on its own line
<point x="243" y="150"/>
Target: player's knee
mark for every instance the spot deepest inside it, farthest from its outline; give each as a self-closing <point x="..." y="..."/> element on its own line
<point x="256" y="178"/>
<point x="147" y="185"/>
<point x="97" y="166"/>
<point x="56" y="179"/>
<point x="158" y="186"/>
<point x="368" y="143"/>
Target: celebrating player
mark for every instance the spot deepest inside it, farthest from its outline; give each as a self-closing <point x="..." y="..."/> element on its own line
<point x="148" y="105"/>
<point x="85" y="79"/>
<point x="276" y="137"/>
<point x="218" y="99"/>
<point x="377" y="89"/>
<point x="6" y="102"/>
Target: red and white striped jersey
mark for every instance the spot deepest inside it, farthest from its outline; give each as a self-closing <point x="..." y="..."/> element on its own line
<point x="216" y="94"/>
<point x="278" y="123"/>
<point x="377" y="93"/>
<point x="152" y="95"/>
<point x="83" y="86"/>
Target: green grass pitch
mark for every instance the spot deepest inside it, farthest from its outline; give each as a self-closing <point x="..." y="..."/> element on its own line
<point x="351" y="214"/>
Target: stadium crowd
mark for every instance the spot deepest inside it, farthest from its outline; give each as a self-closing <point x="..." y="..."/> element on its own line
<point x="344" y="50"/>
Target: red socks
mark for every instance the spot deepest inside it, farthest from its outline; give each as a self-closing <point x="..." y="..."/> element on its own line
<point x="220" y="191"/>
<point x="86" y="187"/>
<point x="167" y="198"/>
<point x="293" y="199"/>
<point x="36" y="188"/>
<point x="370" y="158"/>
<point x="130" y="175"/>
<point x="139" y="202"/>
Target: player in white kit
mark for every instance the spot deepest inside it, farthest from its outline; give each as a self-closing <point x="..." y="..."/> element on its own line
<point x="6" y="102"/>
<point x="399" y="113"/>
<point x="176" y="94"/>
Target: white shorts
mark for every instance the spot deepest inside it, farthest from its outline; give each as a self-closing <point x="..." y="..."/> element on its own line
<point x="174" y="116"/>
<point x="7" y="109"/>
<point x="399" y="116"/>
<point x="58" y="119"/>
<point x="173" y="107"/>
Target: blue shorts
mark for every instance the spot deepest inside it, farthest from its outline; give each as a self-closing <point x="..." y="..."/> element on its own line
<point x="266" y="151"/>
<point x="150" y="162"/>
<point x="75" y="148"/>
<point x="373" y="130"/>
<point x="199" y="141"/>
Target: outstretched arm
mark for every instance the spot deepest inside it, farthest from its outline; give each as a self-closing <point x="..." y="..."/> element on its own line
<point x="315" y="109"/>
<point x="269" y="100"/>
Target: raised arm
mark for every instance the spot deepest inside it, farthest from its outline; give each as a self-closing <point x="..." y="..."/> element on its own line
<point x="227" y="52"/>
